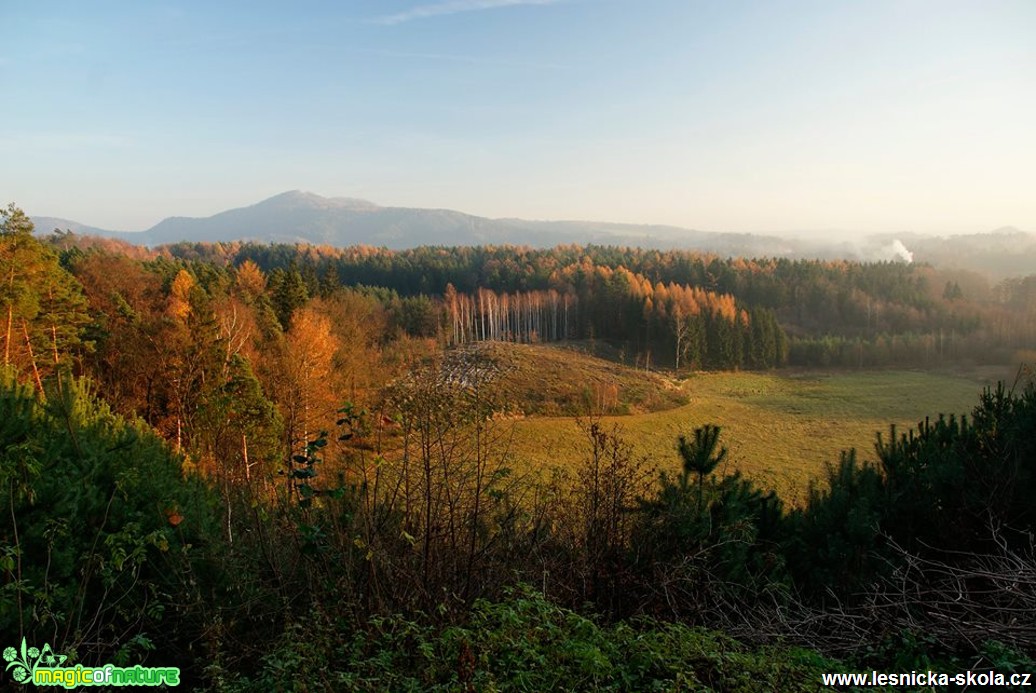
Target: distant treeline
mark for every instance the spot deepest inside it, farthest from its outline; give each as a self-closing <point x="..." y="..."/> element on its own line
<point x="810" y="312"/>
<point x="691" y="326"/>
<point x="826" y="312"/>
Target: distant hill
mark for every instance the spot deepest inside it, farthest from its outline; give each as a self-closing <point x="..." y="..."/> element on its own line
<point x="48" y="224"/>
<point x="302" y="217"/>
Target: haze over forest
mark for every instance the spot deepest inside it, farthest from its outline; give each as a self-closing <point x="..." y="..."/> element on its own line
<point x="301" y="217"/>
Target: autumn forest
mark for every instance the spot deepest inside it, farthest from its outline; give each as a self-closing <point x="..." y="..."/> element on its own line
<point x="260" y="462"/>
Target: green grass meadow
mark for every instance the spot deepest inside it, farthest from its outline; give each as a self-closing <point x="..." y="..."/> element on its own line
<point x="781" y="428"/>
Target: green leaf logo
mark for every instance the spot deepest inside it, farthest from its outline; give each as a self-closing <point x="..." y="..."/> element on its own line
<point x="23" y="663"/>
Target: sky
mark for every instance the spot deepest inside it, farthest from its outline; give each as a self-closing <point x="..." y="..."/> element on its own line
<point x="817" y="117"/>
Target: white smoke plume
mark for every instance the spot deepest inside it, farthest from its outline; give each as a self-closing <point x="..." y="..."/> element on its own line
<point x="896" y="251"/>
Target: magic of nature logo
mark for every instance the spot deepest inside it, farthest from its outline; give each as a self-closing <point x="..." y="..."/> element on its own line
<point x="43" y="667"/>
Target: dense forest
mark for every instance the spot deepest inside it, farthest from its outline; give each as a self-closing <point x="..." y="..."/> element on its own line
<point x="253" y="462"/>
<point x="670" y="308"/>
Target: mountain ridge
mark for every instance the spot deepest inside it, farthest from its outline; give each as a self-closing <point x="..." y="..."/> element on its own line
<point x="298" y="216"/>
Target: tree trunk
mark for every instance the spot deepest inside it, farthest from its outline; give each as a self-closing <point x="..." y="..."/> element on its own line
<point x="244" y="456"/>
<point x="7" y="342"/>
<point x="54" y="341"/>
<point x="32" y="358"/>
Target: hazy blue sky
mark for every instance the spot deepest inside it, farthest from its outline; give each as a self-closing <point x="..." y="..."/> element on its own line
<point x="723" y="115"/>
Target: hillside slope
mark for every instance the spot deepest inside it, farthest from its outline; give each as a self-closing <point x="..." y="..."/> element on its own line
<point x="565" y="381"/>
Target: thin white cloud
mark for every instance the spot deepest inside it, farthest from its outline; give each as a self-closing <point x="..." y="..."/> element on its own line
<point x="453" y="7"/>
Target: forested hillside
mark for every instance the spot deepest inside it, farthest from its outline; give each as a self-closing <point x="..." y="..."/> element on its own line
<point x="274" y="467"/>
<point x="666" y="308"/>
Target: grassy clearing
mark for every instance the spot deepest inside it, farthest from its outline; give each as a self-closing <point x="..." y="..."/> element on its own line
<point x="781" y="428"/>
<point x="565" y="381"/>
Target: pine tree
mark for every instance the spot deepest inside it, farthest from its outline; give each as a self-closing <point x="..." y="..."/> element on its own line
<point x="288" y="293"/>
<point x="329" y="282"/>
<point x="700" y="456"/>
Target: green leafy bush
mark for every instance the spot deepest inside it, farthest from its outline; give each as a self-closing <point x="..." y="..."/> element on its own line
<point x="524" y="643"/>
